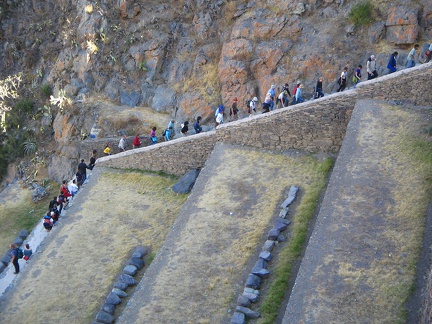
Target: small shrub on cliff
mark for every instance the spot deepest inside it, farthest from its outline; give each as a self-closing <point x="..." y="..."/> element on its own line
<point x="29" y="147"/>
<point x="25" y="105"/>
<point x="361" y="13"/>
<point x="46" y="90"/>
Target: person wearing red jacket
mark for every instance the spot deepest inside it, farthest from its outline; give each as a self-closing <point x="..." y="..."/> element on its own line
<point x="136" y="141"/>
<point x="64" y="190"/>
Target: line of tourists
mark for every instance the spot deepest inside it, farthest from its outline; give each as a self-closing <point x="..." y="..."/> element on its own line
<point x="276" y="99"/>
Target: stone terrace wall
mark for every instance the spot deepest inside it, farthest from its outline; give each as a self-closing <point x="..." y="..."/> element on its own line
<point x="317" y="125"/>
<point x="314" y="126"/>
<point x="174" y="157"/>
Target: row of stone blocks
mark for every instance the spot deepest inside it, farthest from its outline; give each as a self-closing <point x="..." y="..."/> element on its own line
<point x="136" y="262"/>
<point x="259" y="272"/>
<point x="4" y="261"/>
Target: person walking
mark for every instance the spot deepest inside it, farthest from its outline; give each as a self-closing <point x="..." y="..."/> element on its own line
<point x="267" y="103"/>
<point x="219" y="116"/>
<point x="184" y="128"/>
<point x="168" y="133"/>
<point x="153" y="137"/>
<point x="122" y="143"/>
<point x="136" y="143"/>
<point x="286" y="88"/>
<point x="371" y="68"/>
<point x="428" y="54"/>
<point x="197" y="125"/>
<point x="92" y="160"/>
<point x="318" y="89"/>
<point x="283" y="99"/>
<point x="82" y="168"/>
<point x="391" y="65"/>
<point x="234" y="110"/>
<point x="343" y="79"/>
<point x="295" y="91"/>
<point x="357" y="75"/>
<point x="14" y="260"/>
<point x="272" y="94"/>
<point x="252" y="106"/>
<point x="411" y="56"/>
<point x="298" y="95"/>
<point x="171" y="124"/>
<point x="107" y="149"/>
<point x="27" y="252"/>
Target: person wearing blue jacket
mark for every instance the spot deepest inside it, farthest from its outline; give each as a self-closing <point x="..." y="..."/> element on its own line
<point x="391" y="65"/>
<point x="298" y="95"/>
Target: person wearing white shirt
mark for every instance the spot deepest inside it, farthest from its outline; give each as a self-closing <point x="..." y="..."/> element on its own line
<point x="72" y="187"/>
<point x="411" y="56"/>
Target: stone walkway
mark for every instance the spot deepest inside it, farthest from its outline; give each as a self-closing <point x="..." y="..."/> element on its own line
<point x="358" y="263"/>
<point x="35" y="240"/>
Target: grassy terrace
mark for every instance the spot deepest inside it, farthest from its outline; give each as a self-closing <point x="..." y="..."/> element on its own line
<point x="361" y="261"/>
<point x="279" y="280"/>
<point x="69" y="280"/>
<point x="17" y="211"/>
<point x="227" y="219"/>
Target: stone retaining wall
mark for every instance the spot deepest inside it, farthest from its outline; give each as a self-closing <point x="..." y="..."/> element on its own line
<point x="317" y="125"/>
<point x="174" y="157"/>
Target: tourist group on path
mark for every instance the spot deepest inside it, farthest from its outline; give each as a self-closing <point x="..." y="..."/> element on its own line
<point x="66" y="193"/>
<point x="274" y="99"/>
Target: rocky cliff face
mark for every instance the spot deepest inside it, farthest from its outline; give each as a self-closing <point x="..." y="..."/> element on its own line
<point x="186" y="57"/>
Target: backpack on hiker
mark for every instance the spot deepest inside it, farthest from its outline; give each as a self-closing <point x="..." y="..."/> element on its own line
<point x="20" y="253"/>
<point x="247" y="102"/>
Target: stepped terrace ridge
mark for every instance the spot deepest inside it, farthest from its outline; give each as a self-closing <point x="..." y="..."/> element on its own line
<point x="314" y="126"/>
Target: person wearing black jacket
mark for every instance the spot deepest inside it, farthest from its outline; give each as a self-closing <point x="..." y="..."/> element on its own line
<point x="318" y="89"/>
<point x="82" y="169"/>
<point x="185" y="128"/>
<point x="92" y="160"/>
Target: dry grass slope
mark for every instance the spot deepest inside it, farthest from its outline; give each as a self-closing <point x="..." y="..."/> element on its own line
<point x="231" y="215"/>
<point x="68" y="282"/>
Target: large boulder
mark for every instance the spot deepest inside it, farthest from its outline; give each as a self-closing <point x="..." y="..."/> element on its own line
<point x="39" y="193"/>
<point x="130" y="99"/>
<point x="63" y="165"/>
<point x="186" y="182"/>
<point x="163" y="99"/>
<point x="376" y="32"/>
<point x="402" y="25"/>
<point x="259" y="27"/>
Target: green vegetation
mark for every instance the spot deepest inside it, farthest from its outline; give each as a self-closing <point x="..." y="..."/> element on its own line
<point x="19" y="213"/>
<point x="280" y="279"/>
<point x="46" y="90"/>
<point x="15" y="138"/>
<point x="361" y="13"/>
<point x="150" y="258"/>
<point x="30" y="147"/>
<point x="24" y="106"/>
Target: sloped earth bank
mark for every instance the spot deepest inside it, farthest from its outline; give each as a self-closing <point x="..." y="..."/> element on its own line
<point x="203" y="263"/>
<point x="360" y="262"/>
<point x="112" y="215"/>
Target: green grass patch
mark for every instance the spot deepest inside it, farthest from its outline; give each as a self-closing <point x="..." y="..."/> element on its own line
<point x="361" y="13"/>
<point x="46" y="90"/>
<point x="17" y="213"/>
<point x="151" y="258"/>
<point x="282" y="273"/>
<point x="24" y="106"/>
